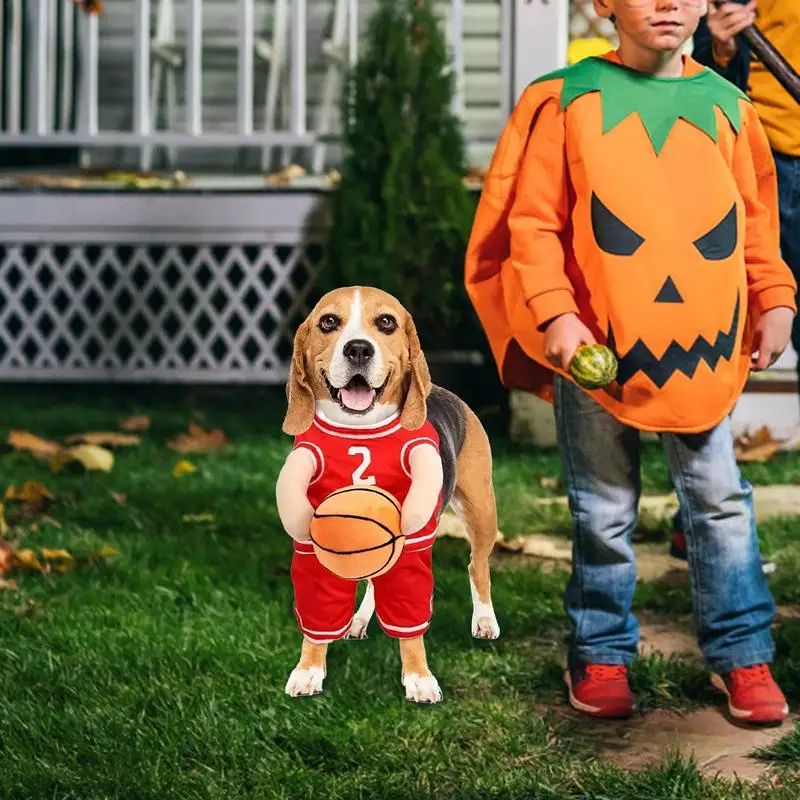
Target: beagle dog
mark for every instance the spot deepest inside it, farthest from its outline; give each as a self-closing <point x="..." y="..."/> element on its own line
<point x="362" y="409"/>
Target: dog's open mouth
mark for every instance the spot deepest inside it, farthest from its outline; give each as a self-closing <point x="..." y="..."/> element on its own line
<point x="357" y="397"/>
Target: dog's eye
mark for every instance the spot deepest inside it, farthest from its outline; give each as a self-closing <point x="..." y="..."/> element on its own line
<point x="386" y="323"/>
<point x="328" y="323"/>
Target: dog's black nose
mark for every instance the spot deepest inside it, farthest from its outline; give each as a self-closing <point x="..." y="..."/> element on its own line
<point x="358" y="352"/>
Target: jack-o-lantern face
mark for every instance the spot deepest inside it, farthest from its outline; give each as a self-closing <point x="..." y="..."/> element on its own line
<point x="649" y="183"/>
<point x="614" y="237"/>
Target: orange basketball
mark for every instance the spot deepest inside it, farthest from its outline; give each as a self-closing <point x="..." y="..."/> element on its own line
<point x="356" y="532"/>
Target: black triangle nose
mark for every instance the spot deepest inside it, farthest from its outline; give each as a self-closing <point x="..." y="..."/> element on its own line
<point x="358" y="352"/>
<point x="669" y="293"/>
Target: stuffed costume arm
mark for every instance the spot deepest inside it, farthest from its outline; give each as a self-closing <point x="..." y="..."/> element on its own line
<point x="291" y="492"/>
<point x="426" y="485"/>
<point x="538" y="215"/>
<point x="769" y="279"/>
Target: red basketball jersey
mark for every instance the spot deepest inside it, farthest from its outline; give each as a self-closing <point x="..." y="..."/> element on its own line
<point x="376" y="455"/>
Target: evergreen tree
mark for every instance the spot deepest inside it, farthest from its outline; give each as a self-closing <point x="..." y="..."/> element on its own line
<point x="401" y="216"/>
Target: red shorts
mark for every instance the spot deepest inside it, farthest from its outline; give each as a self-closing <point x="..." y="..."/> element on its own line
<point x="324" y="603"/>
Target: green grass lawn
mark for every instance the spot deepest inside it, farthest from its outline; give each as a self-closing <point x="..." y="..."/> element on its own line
<point x="161" y="673"/>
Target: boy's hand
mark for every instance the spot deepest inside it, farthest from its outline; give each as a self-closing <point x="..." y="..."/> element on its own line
<point x="564" y="335"/>
<point x="771" y="336"/>
<point x="725" y="21"/>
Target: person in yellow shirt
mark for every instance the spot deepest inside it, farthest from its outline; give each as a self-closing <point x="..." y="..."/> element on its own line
<point x="716" y="46"/>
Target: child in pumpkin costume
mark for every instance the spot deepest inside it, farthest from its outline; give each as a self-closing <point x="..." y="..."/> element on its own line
<point x="631" y="200"/>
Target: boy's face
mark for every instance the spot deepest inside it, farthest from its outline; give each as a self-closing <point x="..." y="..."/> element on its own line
<point x="658" y="25"/>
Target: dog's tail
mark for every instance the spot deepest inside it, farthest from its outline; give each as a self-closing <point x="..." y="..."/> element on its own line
<point x="448" y="414"/>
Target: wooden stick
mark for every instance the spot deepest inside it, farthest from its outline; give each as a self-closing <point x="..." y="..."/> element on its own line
<point x="771" y="58"/>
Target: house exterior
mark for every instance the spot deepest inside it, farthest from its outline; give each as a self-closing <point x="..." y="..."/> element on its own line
<point x="205" y="279"/>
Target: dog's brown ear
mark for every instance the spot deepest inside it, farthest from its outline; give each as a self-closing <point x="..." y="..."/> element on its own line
<point x="300" y="411"/>
<point x="415" y="409"/>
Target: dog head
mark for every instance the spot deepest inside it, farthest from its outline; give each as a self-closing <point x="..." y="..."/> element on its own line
<point x="357" y="359"/>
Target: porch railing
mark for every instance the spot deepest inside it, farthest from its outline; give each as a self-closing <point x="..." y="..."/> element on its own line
<point x="49" y="30"/>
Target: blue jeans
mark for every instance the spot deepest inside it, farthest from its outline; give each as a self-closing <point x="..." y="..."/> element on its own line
<point x="788" y="168"/>
<point x="733" y="607"/>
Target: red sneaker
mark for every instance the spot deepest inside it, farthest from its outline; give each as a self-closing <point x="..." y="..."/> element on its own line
<point x="600" y="690"/>
<point x="753" y="695"/>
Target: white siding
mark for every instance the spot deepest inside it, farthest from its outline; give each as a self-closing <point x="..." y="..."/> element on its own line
<point x="482" y="83"/>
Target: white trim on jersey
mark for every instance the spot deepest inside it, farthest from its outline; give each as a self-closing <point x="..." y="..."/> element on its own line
<point x="334" y="634"/>
<point x="418" y="539"/>
<point x="398" y="629"/>
<point x="349" y="435"/>
<point x="370" y="426"/>
<point x="319" y="459"/>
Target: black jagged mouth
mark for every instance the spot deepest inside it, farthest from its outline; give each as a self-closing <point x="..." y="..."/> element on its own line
<point x="360" y="384"/>
<point x="676" y="358"/>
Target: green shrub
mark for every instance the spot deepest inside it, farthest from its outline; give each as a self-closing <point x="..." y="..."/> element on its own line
<point x="401" y="215"/>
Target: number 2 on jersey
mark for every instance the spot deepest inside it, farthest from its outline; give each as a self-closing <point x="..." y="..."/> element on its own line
<point x="359" y="479"/>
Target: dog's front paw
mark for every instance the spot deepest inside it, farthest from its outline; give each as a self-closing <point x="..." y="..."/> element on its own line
<point x="484" y="624"/>
<point x="422" y="688"/>
<point x="305" y="682"/>
<point x="358" y="629"/>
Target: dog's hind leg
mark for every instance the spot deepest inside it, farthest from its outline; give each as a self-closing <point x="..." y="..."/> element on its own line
<point x="474" y="501"/>
<point x="358" y="628"/>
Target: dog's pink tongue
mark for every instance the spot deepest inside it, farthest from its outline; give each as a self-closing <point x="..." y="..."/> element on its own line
<point x="357" y="398"/>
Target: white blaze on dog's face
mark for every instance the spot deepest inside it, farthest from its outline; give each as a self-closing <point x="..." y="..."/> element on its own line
<point x="357" y="371"/>
<point x="357" y="360"/>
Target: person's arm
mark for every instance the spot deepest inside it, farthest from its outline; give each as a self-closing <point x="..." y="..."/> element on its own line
<point x="735" y="67"/>
<point x="539" y="216"/>
<point x="770" y="281"/>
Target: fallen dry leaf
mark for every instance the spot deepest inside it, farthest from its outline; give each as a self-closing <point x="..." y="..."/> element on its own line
<point x="91" y="456"/>
<point x="29" y="492"/>
<point x="41" y="448"/>
<point x="120" y="498"/>
<point x="7" y="585"/>
<point x="138" y="423"/>
<point x="207" y="517"/>
<point x="183" y="467"/>
<point x="333" y="178"/>
<point x="62" y="560"/>
<point x="27" y="558"/>
<point x="30" y="500"/>
<point x="6" y="557"/>
<point x="107" y="438"/>
<point x="64" y="556"/>
<point x="760" y="446"/>
<point x="286" y="175"/>
<point x="3" y="523"/>
<point x="199" y="441"/>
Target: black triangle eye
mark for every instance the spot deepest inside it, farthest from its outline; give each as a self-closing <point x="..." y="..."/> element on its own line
<point x="611" y="233"/>
<point x="720" y="241"/>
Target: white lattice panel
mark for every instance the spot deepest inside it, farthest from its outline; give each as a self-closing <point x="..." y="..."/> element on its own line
<point x="144" y="311"/>
<point x="584" y="23"/>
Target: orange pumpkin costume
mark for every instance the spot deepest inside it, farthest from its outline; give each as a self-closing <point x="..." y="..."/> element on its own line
<point x="648" y="206"/>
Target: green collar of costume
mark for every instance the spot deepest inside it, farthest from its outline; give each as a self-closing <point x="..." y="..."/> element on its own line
<point x="659" y="102"/>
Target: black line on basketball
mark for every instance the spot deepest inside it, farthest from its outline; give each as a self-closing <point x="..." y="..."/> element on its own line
<point x="391" y="556"/>
<point x="356" y="516"/>
<point x="383" y="493"/>
<point x="392" y="537"/>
